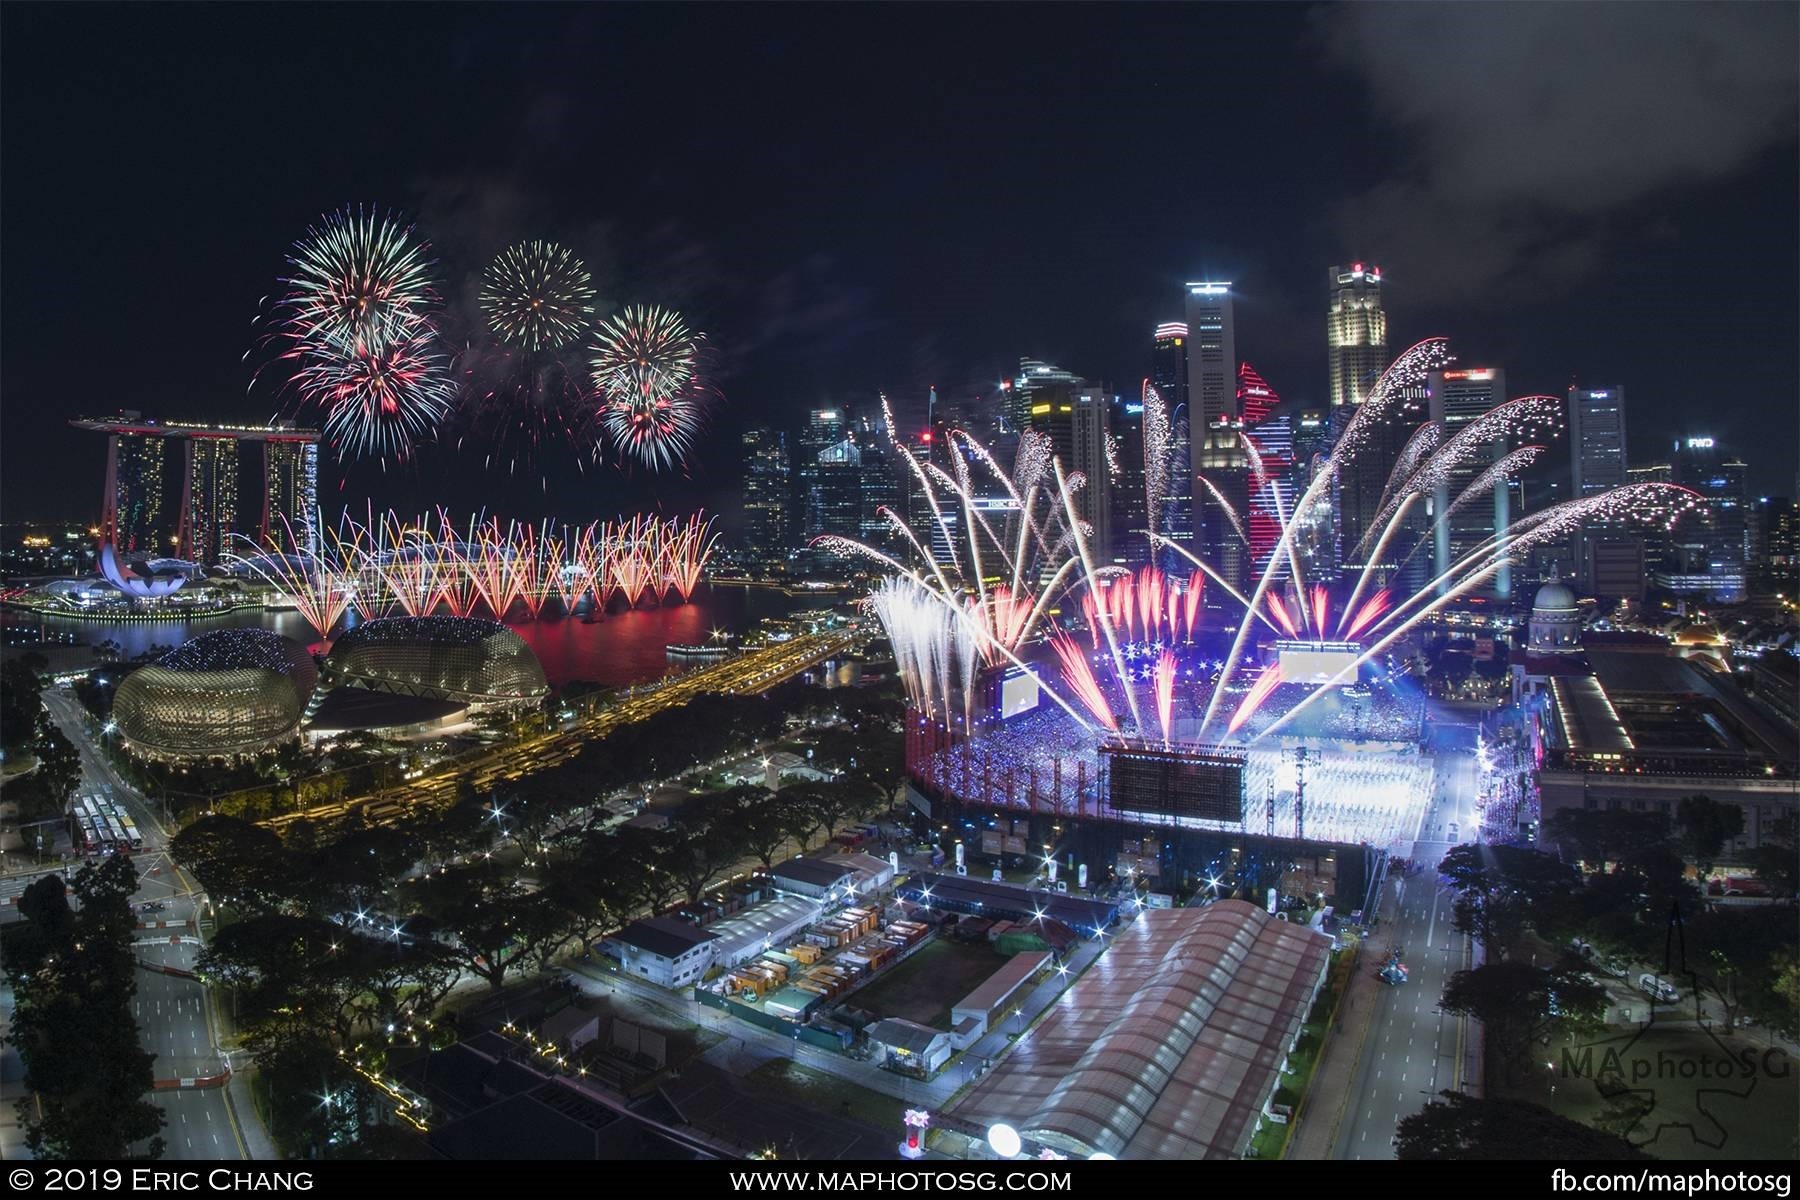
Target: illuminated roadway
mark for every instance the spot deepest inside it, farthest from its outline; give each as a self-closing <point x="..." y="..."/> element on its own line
<point x="748" y="674"/>
<point x="174" y="1017"/>
<point x="1413" y="1050"/>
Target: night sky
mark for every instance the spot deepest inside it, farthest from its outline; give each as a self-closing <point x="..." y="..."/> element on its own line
<point x="862" y="198"/>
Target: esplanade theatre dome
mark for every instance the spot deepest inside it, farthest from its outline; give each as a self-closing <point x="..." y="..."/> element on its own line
<point x="467" y="659"/>
<point x="226" y="693"/>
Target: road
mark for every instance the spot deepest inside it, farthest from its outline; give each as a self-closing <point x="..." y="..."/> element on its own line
<point x="748" y="674"/>
<point x="1412" y="1050"/>
<point x="174" y="1017"/>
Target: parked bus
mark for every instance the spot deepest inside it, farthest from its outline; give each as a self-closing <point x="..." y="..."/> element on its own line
<point x="132" y="836"/>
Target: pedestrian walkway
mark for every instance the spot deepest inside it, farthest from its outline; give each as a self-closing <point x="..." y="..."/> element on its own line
<point x="1315" y="1132"/>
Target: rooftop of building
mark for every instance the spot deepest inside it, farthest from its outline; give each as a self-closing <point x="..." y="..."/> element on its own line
<point x="443" y="630"/>
<point x="345" y="710"/>
<point x="237" y="650"/>
<point x="815" y="872"/>
<point x="1169" y="1045"/>
<point x="663" y="936"/>
<point x="1004" y="899"/>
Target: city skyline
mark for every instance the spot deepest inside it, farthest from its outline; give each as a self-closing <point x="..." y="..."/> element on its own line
<point x="815" y="313"/>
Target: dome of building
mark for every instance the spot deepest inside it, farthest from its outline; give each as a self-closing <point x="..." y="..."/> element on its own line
<point x="1702" y="634"/>
<point x="467" y="659"/>
<point x="226" y="693"/>
<point x="1555" y="626"/>
<point x="1554" y="597"/>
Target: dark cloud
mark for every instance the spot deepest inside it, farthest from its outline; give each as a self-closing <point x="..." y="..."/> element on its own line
<point x="1540" y="135"/>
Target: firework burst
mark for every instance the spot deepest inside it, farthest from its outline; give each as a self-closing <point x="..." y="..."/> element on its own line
<point x="537" y="296"/>
<point x="360" y="280"/>
<point x="645" y="370"/>
<point x="379" y="401"/>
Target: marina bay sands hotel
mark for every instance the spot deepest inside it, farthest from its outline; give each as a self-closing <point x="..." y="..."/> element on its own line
<point x="143" y="515"/>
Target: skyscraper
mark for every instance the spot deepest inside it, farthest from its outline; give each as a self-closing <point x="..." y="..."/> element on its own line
<point x="1212" y="354"/>
<point x="1597" y="464"/>
<point x="1072" y="414"/>
<point x="1130" y="512"/>
<point x="209" y="498"/>
<point x="768" y="495"/>
<point x="1712" y="545"/>
<point x="1271" y="480"/>
<point x="1218" y="465"/>
<point x="880" y="488"/>
<point x="1458" y="397"/>
<point x="1169" y="376"/>
<point x="133" y="504"/>
<point x="836" y="506"/>
<point x="1355" y="333"/>
<point x="1597" y="439"/>
<point x="290" y="509"/>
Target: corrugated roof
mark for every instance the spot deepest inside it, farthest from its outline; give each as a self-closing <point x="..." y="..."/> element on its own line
<point x="1170" y="1043"/>
<point x="663" y="936"/>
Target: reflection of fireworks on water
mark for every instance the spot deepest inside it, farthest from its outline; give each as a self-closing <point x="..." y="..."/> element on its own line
<point x="388" y="563"/>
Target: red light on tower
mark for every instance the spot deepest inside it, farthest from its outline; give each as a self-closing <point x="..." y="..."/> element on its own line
<point x="925" y="437"/>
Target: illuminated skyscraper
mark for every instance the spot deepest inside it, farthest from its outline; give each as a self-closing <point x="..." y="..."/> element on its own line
<point x="1219" y="464"/>
<point x="1271" y="478"/>
<point x="768" y="495"/>
<point x="1458" y="397"/>
<point x="1712" y="545"/>
<point x="1169" y="376"/>
<point x="134" y="502"/>
<point x="1355" y="333"/>
<point x="1597" y="464"/>
<point x="290" y="510"/>
<point x="1130" y="517"/>
<point x="209" y="498"/>
<point x="1072" y="413"/>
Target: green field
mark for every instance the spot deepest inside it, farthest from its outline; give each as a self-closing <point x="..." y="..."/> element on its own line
<point x="923" y="988"/>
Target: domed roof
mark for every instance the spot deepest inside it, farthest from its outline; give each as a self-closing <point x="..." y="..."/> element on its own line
<point x="1553" y="597"/>
<point x="1703" y="633"/>
<point x="232" y="691"/>
<point x="469" y="659"/>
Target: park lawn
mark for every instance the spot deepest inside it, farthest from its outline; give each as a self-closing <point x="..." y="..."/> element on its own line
<point x="926" y="985"/>
<point x="828" y="1094"/>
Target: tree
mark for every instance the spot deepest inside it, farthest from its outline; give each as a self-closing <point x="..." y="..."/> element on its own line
<point x="1498" y="889"/>
<point x="240" y="863"/>
<point x="1706" y="825"/>
<point x="493" y="925"/>
<point x="1517" y="1003"/>
<point x="73" y="980"/>
<point x="1776" y="860"/>
<point x="1600" y="835"/>
<point x="1464" y="1127"/>
<point x="21" y="702"/>
<point x="763" y="824"/>
<point x="697" y="858"/>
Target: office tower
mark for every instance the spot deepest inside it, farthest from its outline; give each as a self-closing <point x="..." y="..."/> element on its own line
<point x="1779" y="543"/>
<point x="209" y="499"/>
<point x="1212" y="355"/>
<point x="1218" y="462"/>
<point x="837" y="494"/>
<point x="768" y="495"/>
<point x="824" y="428"/>
<point x="1356" y="347"/>
<point x="1712" y="545"/>
<point x="1271" y="478"/>
<point x="134" y="503"/>
<point x="1458" y="397"/>
<point x="1355" y="333"/>
<point x="1072" y="414"/>
<point x="880" y="488"/>
<point x="290" y="509"/>
<point x="1597" y="439"/>
<point x="1169" y="376"/>
<point x="1597" y="464"/>
<point x="1130" y="509"/>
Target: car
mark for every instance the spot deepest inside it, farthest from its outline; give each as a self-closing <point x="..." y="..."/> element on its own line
<point x="1657" y="988"/>
<point x="150" y="906"/>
